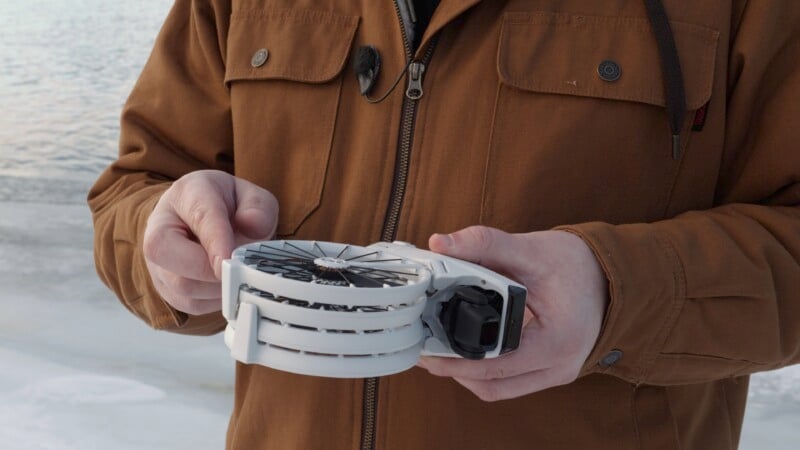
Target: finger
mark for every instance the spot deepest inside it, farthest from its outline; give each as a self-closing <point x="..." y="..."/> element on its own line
<point x="185" y="287"/>
<point x="506" y="366"/>
<point x="195" y="307"/>
<point x="169" y="246"/>
<point x="486" y="246"/>
<point x="189" y="305"/>
<point x="507" y="388"/>
<point x="206" y="212"/>
<point x="256" y="214"/>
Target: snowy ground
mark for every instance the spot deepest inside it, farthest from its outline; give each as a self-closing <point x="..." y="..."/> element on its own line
<point x="78" y="373"/>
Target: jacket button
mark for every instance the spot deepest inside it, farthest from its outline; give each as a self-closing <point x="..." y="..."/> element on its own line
<point x="610" y="359"/>
<point x="609" y="70"/>
<point x="259" y="57"/>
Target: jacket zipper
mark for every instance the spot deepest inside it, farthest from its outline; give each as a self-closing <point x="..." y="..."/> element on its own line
<point x="414" y="92"/>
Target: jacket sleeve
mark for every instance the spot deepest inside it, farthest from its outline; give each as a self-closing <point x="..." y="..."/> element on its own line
<point x="713" y="294"/>
<point x="176" y="120"/>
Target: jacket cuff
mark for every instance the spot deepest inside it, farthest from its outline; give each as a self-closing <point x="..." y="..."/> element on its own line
<point x="646" y="292"/>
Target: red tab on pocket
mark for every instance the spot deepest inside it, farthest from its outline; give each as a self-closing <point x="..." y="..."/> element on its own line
<point x="700" y="118"/>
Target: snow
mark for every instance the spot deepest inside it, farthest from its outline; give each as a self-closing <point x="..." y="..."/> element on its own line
<point x="78" y="372"/>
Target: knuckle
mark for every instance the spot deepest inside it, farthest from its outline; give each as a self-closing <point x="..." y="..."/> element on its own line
<point x="571" y="375"/>
<point x="158" y="283"/>
<point x="562" y="380"/>
<point x="183" y="287"/>
<point x="151" y="244"/>
<point x="177" y="302"/>
<point x="262" y="202"/>
<point x="564" y="377"/>
<point x="181" y="183"/>
<point x="494" y="372"/>
<point x="184" y="304"/>
<point x="198" y="213"/>
<point x="434" y="368"/>
<point x="487" y="393"/>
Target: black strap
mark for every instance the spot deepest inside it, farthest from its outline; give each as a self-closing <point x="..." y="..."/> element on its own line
<point x="670" y="69"/>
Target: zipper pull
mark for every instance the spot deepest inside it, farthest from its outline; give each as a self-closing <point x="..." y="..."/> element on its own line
<point x="415" y="72"/>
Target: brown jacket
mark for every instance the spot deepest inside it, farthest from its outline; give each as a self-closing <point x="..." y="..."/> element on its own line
<point x="515" y="130"/>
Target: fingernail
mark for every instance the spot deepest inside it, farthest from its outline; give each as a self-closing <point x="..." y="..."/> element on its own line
<point x="447" y="240"/>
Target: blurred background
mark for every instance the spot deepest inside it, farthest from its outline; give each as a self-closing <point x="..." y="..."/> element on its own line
<point x="77" y="371"/>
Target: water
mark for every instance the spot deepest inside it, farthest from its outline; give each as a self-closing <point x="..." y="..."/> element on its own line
<point x="67" y="68"/>
<point x="78" y="371"/>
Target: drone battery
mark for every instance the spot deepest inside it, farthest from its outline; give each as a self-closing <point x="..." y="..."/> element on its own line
<point x="515" y="318"/>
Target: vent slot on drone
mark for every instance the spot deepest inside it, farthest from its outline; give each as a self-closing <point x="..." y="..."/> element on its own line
<point x="327" y="306"/>
<point x="328" y="355"/>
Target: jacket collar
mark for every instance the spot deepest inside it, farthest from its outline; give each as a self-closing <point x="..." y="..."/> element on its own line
<point x="445" y="13"/>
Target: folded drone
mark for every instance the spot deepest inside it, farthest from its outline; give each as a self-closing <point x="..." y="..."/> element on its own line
<point x="345" y="311"/>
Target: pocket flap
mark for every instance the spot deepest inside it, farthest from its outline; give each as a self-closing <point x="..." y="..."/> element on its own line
<point x="561" y="53"/>
<point x="305" y="46"/>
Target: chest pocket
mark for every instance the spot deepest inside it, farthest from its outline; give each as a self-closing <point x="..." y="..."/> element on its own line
<point x="284" y="74"/>
<point x="570" y="146"/>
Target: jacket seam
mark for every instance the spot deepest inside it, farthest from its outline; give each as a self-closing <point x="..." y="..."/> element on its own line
<point x="675" y="434"/>
<point x="720" y="358"/>
<point x="302" y="16"/>
<point x="635" y="419"/>
<point x="482" y="215"/>
<point x="616" y="23"/>
<point x="670" y="317"/>
<point x="724" y="392"/>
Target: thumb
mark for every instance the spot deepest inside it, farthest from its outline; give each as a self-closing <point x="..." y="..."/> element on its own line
<point x="256" y="216"/>
<point x="486" y="246"/>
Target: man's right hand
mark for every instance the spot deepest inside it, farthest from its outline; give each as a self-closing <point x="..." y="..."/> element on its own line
<point x="196" y="224"/>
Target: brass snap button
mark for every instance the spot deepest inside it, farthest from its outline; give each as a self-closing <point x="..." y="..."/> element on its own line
<point x="609" y="70"/>
<point x="259" y="57"/>
<point x="610" y="359"/>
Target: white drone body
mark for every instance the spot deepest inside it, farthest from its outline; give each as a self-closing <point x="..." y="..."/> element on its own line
<point x="344" y="311"/>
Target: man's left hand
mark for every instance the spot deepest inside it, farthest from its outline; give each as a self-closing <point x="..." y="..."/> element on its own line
<point x="567" y="299"/>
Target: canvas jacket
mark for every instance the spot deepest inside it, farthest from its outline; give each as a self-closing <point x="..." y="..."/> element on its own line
<point x="515" y="129"/>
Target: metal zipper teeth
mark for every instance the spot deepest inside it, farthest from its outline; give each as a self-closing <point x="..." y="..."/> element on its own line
<point x="369" y="418"/>
<point x="370" y="414"/>
<point x="403" y="157"/>
<point x="403" y="149"/>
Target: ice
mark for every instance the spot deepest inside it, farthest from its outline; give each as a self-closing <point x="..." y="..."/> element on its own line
<point x="77" y="371"/>
<point x="61" y="408"/>
<point x="86" y="389"/>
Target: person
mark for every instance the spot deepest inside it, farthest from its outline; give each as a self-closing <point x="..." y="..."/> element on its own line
<point x="634" y="164"/>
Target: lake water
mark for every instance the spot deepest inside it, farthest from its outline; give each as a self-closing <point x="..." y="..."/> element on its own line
<point x="67" y="66"/>
<point x="77" y="371"/>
